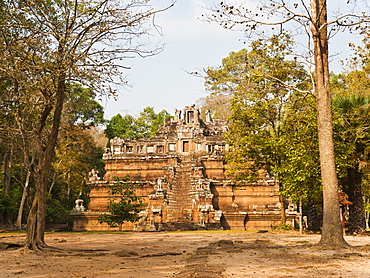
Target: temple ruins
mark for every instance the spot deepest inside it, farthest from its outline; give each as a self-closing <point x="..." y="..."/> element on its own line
<point x="180" y="174"/>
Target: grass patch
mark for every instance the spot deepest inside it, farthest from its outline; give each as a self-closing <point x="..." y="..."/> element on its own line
<point x="283" y="227"/>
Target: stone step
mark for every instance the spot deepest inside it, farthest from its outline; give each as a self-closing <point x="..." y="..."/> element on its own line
<point x="182" y="192"/>
<point x="185" y="198"/>
<point x="180" y="197"/>
<point x="179" y="204"/>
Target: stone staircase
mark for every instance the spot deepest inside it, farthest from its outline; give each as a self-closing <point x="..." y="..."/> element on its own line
<point x="181" y="195"/>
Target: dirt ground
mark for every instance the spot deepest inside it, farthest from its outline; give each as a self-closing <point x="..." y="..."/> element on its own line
<point x="185" y="254"/>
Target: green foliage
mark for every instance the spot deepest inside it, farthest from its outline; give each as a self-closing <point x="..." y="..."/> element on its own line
<point x="299" y="168"/>
<point x="149" y="121"/>
<point x="352" y="126"/>
<point x="76" y="154"/>
<point x="43" y="47"/>
<point x="56" y="212"/>
<point x="272" y="124"/>
<point x="125" y="206"/>
<point x="8" y="205"/>
<point x="124" y="127"/>
<point x="81" y="107"/>
<point x="283" y="227"/>
<point x="129" y="127"/>
<point x="351" y="106"/>
<point x="5" y="202"/>
<point x="264" y="68"/>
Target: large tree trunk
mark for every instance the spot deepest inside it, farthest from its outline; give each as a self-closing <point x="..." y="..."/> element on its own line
<point x="332" y="234"/>
<point x="37" y="216"/>
<point x="356" y="221"/>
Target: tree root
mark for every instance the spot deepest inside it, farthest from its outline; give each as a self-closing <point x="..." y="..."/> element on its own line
<point x="41" y="249"/>
<point x="23" y="247"/>
<point x="10" y="245"/>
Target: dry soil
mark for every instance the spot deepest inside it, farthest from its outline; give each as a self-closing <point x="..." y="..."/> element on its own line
<point x="185" y="254"/>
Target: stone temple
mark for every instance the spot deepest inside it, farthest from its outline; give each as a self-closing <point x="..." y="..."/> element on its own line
<point x="180" y="174"/>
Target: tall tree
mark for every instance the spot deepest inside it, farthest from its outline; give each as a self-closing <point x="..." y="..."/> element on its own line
<point x="218" y="105"/>
<point x="332" y="230"/>
<point x="81" y="108"/>
<point x="259" y="108"/>
<point x="312" y="17"/>
<point x="351" y="105"/>
<point x="148" y="122"/>
<point x="130" y="127"/>
<point x="49" y="44"/>
<point x="353" y="129"/>
<point x="124" y="127"/>
<point x="76" y="152"/>
<point x="299" y="170"/>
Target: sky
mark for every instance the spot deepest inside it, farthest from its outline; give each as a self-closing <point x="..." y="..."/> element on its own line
<point x="163" y="81"/>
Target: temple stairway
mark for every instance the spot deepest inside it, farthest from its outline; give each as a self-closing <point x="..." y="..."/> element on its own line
<point x="181" y="195"/>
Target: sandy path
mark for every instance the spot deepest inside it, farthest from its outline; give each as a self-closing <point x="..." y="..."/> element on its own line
<point x="186" y="254"/>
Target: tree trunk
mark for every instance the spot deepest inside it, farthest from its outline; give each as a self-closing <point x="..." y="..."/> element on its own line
<point x="18" y="222"/>
<point x="332" y="234"/>
<point x="6" y="220"/>
<point x="356" y="221"/>
<point x="300" y="216"/>
<point x="282" y="209"/>
<point x="7" y="168"/>
<point x="37" y="216"/>
<point x="367" y="216"/>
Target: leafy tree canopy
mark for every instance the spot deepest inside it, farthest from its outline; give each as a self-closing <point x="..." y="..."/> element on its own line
<point x="129" y="127"/>
<point x="149" y="121"/>
<point x="82" y="108"/>
<point x="261" y="82"/>
<point x="351" y="106"/>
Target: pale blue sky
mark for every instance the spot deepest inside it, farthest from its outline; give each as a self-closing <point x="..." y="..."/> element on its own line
<point x="162" y="81"/>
